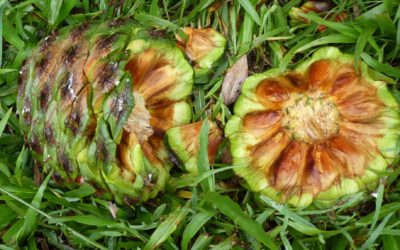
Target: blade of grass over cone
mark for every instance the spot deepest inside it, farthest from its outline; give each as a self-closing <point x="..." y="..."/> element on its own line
<point x="328" y="39"/>
<point x="355" y="199"/>
<point x="148" y="19"/>
<point x="189" y="180"/>
<point x="339" y="27"/>
<point x="199" y="103"/>
<point x="308" y="43"/>
<point x="166" y="228"/>
<point x="269" y="36"/>
<point x="202" y="158"/>
<point x="82" y="191"/>
<point x="232" y="210"/>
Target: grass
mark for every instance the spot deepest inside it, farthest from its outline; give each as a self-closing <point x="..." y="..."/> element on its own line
<point x="212" y="210"/>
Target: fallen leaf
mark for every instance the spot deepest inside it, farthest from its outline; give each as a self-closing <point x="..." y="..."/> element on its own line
<point x="113" y="209"/>
<point x="233" y="80"/>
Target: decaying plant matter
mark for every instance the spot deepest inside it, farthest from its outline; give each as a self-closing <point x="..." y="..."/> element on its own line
<point x="95" y="101"/>
<point x="317" y="133"/>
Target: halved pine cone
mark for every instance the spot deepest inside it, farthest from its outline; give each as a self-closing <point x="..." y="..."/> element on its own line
<point x="95" y="102"/>
<point x="314" y="134"/>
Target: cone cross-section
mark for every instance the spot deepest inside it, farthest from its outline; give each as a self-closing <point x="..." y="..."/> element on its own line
<point x="95" y="101"/>
<point x="316" y="133"/>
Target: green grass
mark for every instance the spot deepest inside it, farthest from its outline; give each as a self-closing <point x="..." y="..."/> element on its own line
<point x="220" y="214"/>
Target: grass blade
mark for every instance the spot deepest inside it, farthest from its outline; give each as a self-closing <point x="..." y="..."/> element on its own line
<point x="380" y="67"/>
<point x="30" y="219"/>
<point x="55" y="7"/>
<point x="235" y="213"/>
<point x="4" y="121"/>
<point x="193" y="227"/>
<point x="166" y="228"/>
<point x="202" y="157"/>
<point x="249" y="7"/>
<point x="362" y="41"/>
<point x="376" y="233"/>
<point x="2" y="3"/>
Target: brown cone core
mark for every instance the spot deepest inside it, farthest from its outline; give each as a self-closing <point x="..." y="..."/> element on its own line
<point x="310" y="117"/>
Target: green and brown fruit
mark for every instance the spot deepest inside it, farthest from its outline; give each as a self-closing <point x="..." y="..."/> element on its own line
<point x="184" y="141"/>
<point x="95" y="101"/>
<point x="203" y="47"/>
<point x="314" y="134"/>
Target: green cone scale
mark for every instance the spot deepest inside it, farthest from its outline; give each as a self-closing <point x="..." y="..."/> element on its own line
<point x="184" y="141"/>
<point x="314" y="134"/>
<point x="203" y="47"/>
<point x="95" y="101"/>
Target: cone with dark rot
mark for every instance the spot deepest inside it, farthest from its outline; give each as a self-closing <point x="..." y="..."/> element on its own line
<point x="184" y="141"/>
<point x="95" y="102"/>
<point x="315" y="134"/>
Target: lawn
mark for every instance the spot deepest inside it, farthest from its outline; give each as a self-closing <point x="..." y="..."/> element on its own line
<point x="213" y="210"/>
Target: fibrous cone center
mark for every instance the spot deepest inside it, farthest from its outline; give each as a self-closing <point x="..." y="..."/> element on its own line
<point x="139" y="120"/>
<point x="310" y="117"/>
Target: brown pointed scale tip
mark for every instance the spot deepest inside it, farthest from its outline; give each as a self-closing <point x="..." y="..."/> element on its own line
<point x="316" y="137"/>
